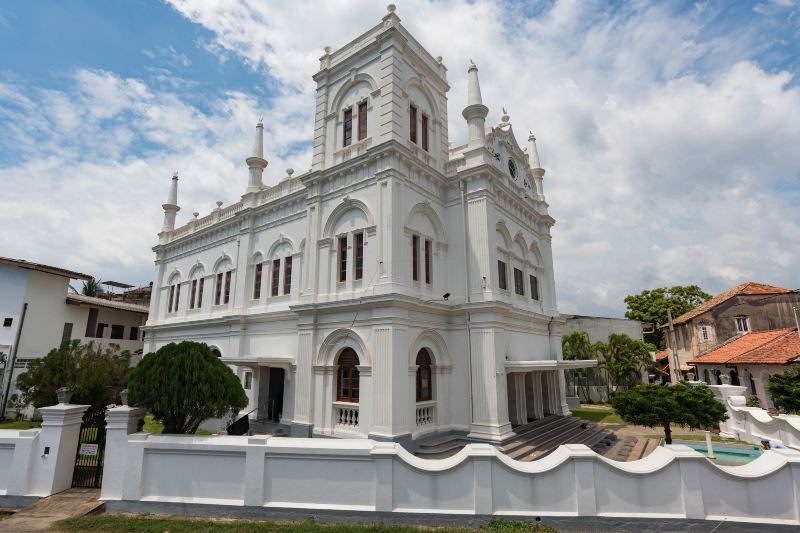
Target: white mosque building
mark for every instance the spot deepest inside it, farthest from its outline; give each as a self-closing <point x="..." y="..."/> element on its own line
<point x="401" y="287"/>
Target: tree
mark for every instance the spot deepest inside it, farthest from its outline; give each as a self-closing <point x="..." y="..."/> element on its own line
<point x="784" y="388"/>
<point x="184" y="384"/>
<point x="577" y="346"/>
<point x="92" y="288"/>
<point x="95" y="374"/>
<point x="652" y="305"/>
<point x="624" y="359"/>
<point x="659" y="406"/>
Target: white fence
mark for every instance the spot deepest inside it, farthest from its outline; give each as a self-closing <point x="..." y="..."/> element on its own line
<point x="753" y="424"/>
<point x="364" y="475"/>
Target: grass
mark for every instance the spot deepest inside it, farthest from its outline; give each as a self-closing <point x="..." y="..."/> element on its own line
<point x="5" y="514"/>
<point x="144" y="524"/>
<point x="698" y="436"/>
<point x="153" y="426"/>
<point x="20" y="424"/>
<point x="603" y="414"/>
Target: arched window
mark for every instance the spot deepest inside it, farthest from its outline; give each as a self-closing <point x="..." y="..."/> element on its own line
<point x="348" y="379"/>
<point x="424" y="384"/>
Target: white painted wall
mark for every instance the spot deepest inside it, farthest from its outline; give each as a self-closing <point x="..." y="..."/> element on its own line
<point x="366" y="475"/>
<point x="753" y="424"/>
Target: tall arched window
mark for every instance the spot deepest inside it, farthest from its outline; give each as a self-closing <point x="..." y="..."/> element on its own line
<point x="348" y="378"/>
<point x="424" y="384"/>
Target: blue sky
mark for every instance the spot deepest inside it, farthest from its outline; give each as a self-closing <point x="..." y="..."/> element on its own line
<point x="669" y="131"/>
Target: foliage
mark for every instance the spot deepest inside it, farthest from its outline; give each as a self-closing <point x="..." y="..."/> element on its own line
<point x="652" y="305"/>
<point x="151" y="425"/>
<point x="20" y="424"/>
<point x="752" y="401"/>
<point x="146" y="524"/>
<point x="605" y="416"/>
<point x="784" y="388"/>
<point x="95" y="374"/>
<point x="624" y="359"/>
<point x="577" y="346"/>
<point x="659" y="406"/>
<point x="92" y="288"/>
<point x="184" y="384"/>
<point x="17" y="404"/>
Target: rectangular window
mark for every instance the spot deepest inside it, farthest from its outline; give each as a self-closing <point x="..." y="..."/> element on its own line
<point x="342" y="258"/>
<point x="519" y="286"/>
<point x="348" y="127"/>
<point x="428" y="245"/>
<point x="228" y="275"/>
<point x="362" y="121"/>
<point x="248" y="380"/>
<point x="171" y="298"/>
<point x="7" y="322"/>
<point x="742" y="325"/>
<point x="257" y="283"/>
<point x="358" y="256"/>
<point x="534" y="287"/>
<point x="91" y="323"/>
<point x="193" y="294"/>
<point x="117" y="331"/>
<point x="276" y="276"/>
<point x="200" y="294"/>
<point x="424" y="127"/>
<point x="413" y="124"/>
<point x="287" y="275"/>
<point x="704" y="333"/>
<point x="501" y="275"/>
<point x="66" y="335"/>
<point x="134" y="336"/>
<point x="177" y="296"/>
<point x="101" y="328"/>
<point x="218" y="290"/>
<point x="415" y="257"/>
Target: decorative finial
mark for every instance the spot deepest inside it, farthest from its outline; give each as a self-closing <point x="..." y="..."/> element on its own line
<point x="328" y="50"/>
<point x="505" y="118"/>
<point x="438" y="59"/>
<point x="219" y="204"/>
<point x="260" y="121"/>
<point x="504" y="111"/>
<point x="175" y="175"/>
<point x="391" y="8"/>
<point x="196" y="214"/>
<point x="289" y="172"/>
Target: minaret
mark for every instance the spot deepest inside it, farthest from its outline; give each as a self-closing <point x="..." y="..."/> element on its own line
<point x="536" y="166"/>
<point x="171" y="207"/>
<point x="475" y="112"/>
<point x="256" y="161"/>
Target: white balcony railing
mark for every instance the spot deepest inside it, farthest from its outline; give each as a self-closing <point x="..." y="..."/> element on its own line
<point x="426" y="413"/>
<point x="345" y="415"/>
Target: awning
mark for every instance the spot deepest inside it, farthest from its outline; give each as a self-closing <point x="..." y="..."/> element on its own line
<point x="547" y="364"/>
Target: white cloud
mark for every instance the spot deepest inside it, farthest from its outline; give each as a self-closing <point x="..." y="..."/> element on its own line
<point x="670" y="152"/>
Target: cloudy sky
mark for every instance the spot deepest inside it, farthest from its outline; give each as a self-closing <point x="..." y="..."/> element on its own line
<point x="670" y="131"/>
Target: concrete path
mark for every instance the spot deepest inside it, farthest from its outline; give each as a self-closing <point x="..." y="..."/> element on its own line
<point x="44" y="513"/>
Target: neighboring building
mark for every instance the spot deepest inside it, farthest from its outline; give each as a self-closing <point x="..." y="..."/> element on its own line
<point x="742" y="309"/>
<point x="400" y="287"/>
<point x="749" y="360"/>
<point x="599" y="328"/>
<point x="38" y="313"/>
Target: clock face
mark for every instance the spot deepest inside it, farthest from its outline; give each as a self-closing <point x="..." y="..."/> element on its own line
<point x="512" y="169"/>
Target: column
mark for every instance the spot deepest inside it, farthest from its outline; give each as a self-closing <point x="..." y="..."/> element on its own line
<point x="561" y="389"/>
<point x="302" y="423"/>
<point x="391" y="395"/>
<point x="530" y="404"/>
<point x="520" y="401"/>
<point x="489" y="390"/>
<point x="120" y="422"/>
<point x="58" y="446"/>
<point x="537" y="397"/>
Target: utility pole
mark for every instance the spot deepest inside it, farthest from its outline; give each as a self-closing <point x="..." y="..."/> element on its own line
<point x="674" y="345"/>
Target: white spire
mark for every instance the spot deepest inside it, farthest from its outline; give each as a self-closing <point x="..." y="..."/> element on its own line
<point x="171" y="208"/>
<point x="256" y="162"/>
<point x="475" y="112"/>
<point x="533" y="153"/>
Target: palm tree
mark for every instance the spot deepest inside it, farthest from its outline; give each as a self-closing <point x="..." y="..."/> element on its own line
<point x="577" y="346"/>
<point x="91" y="288"/>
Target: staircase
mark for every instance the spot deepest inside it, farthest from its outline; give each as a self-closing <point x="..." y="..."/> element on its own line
<point x="530" y="441"/>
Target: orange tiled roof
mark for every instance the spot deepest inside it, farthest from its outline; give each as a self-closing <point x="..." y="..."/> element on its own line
<point x="747" y="288"/>
<point x="776" y="346"/>
<point x="663" y="354"/>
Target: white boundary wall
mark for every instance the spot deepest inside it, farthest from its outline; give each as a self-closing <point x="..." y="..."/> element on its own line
<point x="753" y="424"/>
<point x="365" y="475"/>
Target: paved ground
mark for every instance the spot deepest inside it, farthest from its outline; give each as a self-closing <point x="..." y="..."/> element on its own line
<point x="41" y="515"/>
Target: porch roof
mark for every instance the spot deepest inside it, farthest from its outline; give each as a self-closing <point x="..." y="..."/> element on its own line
<point x="260" y="360"/>
<point x="548" y="364"/>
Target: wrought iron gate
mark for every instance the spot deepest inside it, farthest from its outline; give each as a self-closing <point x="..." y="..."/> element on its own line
<point x="88" y="471"/>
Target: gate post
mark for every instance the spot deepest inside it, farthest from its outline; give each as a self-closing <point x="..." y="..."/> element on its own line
<point x="120" y="422"/>
<point x="58" y="444"/>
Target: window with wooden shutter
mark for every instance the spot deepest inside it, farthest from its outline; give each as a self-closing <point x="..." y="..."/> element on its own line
<point x="228" y="275"/>
<point x="200" y="293"/>
<point x="428" y="246"/>
<point x="348" y="127"/>
<point x="534" y="287"/>
<point x="424" y="381"/>
<point x="276" y="276"/>
<point x="287" y="275"/>
<point x="413" y="124"/>
<point x="501" y="275"/>
<point x="519" y="286"/>
<point x="415" y="257"/>
<point x="424" y="127"/>
<point x="342" y="258"/>
<point x="171" y="298"/>
<point x="257" y="282"/>
<point x="218" y="290"/>
<point x="193" y="294"/>
<point x="362" y="121"/>
<point x="358" y="256"/>
<point x="347" y="387"/>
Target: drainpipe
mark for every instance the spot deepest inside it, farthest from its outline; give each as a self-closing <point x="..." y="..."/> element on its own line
<point x="12" y="359"/>
<point x="463" y="187"/>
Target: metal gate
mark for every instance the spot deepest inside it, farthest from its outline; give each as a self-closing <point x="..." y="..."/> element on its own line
<point x="88" y="472"/>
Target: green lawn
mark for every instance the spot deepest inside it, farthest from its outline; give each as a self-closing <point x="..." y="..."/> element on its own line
<point x="600" y="413"/>
<point x="697" y="436"/>
<point x="152" y="426"/>
<point x="20" y="424"/>
<point x="143" y="524"/>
